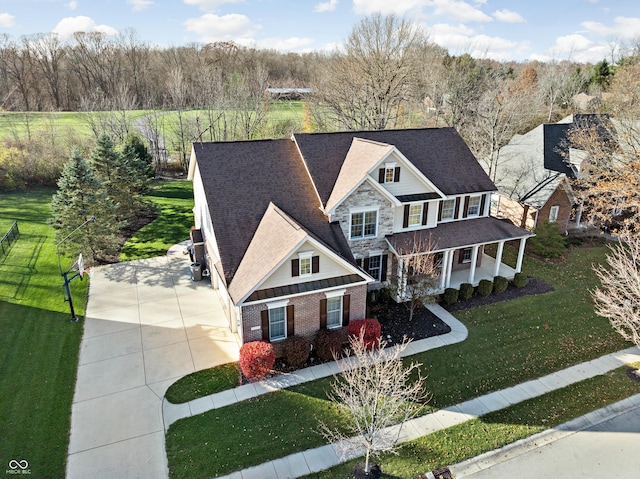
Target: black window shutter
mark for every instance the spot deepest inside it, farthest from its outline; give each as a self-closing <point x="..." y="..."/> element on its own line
<point x="425" y="212"/>
<point x="381" y="175"/>
<point x="264" y="320"/>
<point x="290" y="320"/>
<point x="383" y="273"/>
<point x="323" y="314"/>
<point x="315" y="264"/>
<point x="460" y="256"/>
<point x="295" y="267"/>
<point x="359" y="261"/>
<point x="405" y="218"/>
<point x="456" y="212"/>
<point x="483" y="202"/>
<point x="396" y="174"/>
<point x="440" y="210"/>
<point x="346" y="303"/>
<point x="465" y="208"/>
<point x="365" y="264"/>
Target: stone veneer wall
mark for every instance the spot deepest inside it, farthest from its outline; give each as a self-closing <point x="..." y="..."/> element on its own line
<point x="306" y="313"/>
<point x="366" y="195"/>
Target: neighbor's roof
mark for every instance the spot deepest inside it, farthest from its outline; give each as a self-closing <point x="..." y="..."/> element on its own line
<point x="440" y="154"/>
<point x="242" y="178"/>
<point x="456" y="234"/>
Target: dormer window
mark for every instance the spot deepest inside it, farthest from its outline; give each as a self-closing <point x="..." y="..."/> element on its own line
<point x="389" y="174"/>
<point x="474" y="206"/>
<point x="448" y="210"/>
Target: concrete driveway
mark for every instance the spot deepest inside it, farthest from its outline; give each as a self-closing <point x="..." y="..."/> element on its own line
<point x="147" y="324"/>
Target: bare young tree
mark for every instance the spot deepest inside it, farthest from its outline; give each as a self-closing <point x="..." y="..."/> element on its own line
<point x="379" y="394"/>
<point x="414" y="280"/>
<point x="618" y="299"/>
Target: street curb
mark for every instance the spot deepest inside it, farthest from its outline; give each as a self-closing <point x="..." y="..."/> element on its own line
<point x="518" y="448"/>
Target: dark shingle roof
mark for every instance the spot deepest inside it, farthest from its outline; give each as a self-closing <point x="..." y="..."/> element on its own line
<point x="555" y="146"/>
<point x="241" y="179"/>
<point x="439" y="153"/>
<point x="306" y="287"/>
<point x="457" y="234"/>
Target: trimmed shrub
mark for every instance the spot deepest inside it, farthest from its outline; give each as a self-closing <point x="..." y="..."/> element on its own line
<point x="466" y="291"/>
<point x="257" y="359"/>
<point x="485" y="287"/>
<point x="450" y="295"/>
<point x="520" y="280"/>
<point x="296" y="350"/>
<point x="500" y="284"/>
<point x="548" y="242"/>
<point x="327" y="342"/>
<point x="372" y="331"/>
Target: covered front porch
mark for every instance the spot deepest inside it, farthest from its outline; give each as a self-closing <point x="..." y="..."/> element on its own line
<point x="486" y="270"/>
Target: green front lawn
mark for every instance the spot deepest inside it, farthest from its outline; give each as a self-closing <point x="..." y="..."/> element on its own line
<point x="509" y="343"/>
<point x="38" y="344"/>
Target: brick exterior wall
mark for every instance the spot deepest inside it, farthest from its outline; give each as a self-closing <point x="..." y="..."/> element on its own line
<point x="306" y="313"/>
<point x="559" y="198"/>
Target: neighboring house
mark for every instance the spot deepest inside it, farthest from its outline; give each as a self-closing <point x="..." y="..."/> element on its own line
<point x="296" y="230"/>
<point x="533" y="178"/>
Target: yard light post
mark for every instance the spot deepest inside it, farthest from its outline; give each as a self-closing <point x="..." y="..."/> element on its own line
<point x="65" y="274"/>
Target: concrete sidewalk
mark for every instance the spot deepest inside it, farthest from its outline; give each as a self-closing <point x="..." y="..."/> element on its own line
<point x="147" y="324"/>
<point x="321" y="458"/>
<point x="174" y="412"/>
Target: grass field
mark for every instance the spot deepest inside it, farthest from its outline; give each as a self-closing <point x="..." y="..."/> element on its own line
<point x="508" y="343"/>
<point x="38" y="344"/>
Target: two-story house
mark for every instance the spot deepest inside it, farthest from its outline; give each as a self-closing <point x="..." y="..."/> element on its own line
<point x="295" y="230"/>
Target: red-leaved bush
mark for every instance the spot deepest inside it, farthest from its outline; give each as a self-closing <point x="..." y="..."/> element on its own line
<point x="327" y="342"/>
<point x="296" y="351"/>
<point x="257" y="359"/>
<point x="372" y="331"/>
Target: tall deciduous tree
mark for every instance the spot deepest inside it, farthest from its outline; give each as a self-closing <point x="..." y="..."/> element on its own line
<point x="80" y="196"/>
<point x="618" y="298"/>
<point x="379" y="394"/>
<point x="366" y="85"/>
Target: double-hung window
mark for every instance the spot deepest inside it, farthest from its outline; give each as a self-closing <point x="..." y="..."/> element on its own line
<point x="277" y="323"/>
<point x="448" y="207"/>
<point x="466" y="255"/>
<point x="389" y="174"/>
<point x="364" y="224"/>
<point x="553" y="214"/>
<point x="334" y="312"/>
<point x="375" y="267"/>
<point x="415" y="214"/>
<point x="474" y="206"/>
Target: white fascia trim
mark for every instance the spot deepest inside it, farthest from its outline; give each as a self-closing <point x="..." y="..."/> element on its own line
<point x="313" y="183"/>
<point x="336" y="293"/>
<point x="405" y="162"/>
<point x="192" y="164"/>
<point x="289" y="296"/>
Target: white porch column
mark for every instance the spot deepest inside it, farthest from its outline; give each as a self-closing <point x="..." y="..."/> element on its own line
<point x="496" y="269"/>
<point x="523" y="241"/>
<point x="474" y="261"/>
<point x="579" y="216"/>
<point x="443" y="269"/>
<point x="448" y="271"/>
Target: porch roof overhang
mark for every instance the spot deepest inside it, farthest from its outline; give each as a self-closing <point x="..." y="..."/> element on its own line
<point x="456" y="235"/>
<point x="307" y="287"/>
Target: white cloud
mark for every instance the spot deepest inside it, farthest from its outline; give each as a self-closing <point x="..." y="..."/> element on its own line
<point x="507" y="16"/>
<point x="329" y="6"/>
<point x="214" y="28"/>
<point x="284" y="44"/>
<point x="68" y="26"/>
<point x="72" y="5"/>
<point x="460" y="11"/>
<point x="209" y="5"/>
<point x="460" y="39"/>
<point x="399" y="7"/>
<point x="6" y="20"/>
<point x="623" y="27"/>
<point x="139" y="5"/>
<point x="578" y="48"/>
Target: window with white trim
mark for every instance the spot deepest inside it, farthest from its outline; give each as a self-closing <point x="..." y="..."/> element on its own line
<point x="375" y="267"/>
<point x="448" y="207"/>
<point x="415" y="214"/>
<point x="364" y="224"/>
<point x="474" y="206"/>
<point x="389" y="174"/>
<point x="553" y="213"/>
<point x="466" y="255"/>
<point x="334" y="312"/>
<point x="277" y="323"/>
<point x="305" y="265"/>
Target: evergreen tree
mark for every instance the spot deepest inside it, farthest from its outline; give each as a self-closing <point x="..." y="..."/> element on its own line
<point x="81" y="196"/>
<point x="136" y="147"/>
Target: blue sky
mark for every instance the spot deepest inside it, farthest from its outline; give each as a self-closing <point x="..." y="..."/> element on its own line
<point x="580" y="30"/>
